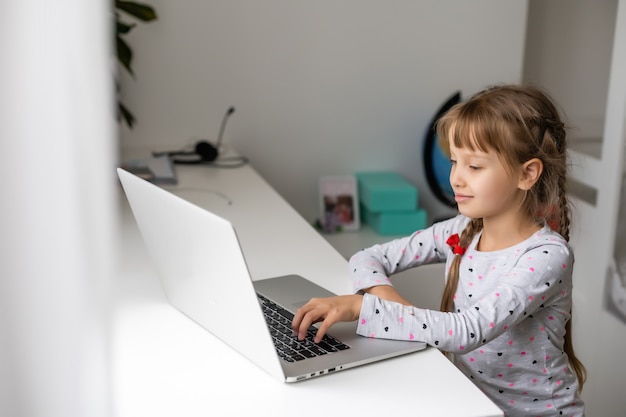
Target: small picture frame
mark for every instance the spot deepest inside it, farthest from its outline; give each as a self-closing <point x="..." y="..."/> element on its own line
<point x="339" y="204"/>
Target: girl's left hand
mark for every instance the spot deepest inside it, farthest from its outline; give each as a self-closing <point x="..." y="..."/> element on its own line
<point x="327" y="310"/>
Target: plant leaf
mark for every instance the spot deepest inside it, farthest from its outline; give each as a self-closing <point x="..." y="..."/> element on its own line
<point x="124" y="54"/>
<point x="124" y="114"/>
<point x="138" y="10"/>
<point x="123" y="28"/>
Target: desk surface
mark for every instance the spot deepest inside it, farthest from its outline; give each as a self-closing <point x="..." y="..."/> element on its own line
<point x="164" y="364"/>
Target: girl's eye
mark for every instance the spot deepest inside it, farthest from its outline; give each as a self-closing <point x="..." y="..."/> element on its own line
<point x="452" y="161"/>
<point x="474" y="167"/>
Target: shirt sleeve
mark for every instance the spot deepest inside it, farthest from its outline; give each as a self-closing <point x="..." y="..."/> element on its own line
<point x="374" y="266"/>
<point x="538" y="284"/>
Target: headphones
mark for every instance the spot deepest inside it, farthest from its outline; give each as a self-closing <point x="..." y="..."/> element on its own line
<point x="205" y="153"/>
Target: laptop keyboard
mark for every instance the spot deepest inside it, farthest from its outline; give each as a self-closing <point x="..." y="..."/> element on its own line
<point x="287" y="344"/>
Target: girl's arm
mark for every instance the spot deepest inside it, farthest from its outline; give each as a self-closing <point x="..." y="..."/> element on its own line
<point x="389" y="293"/>
<point x="538" y="287"/>
<point x="373" y="266"/>
<point x="370" y="271"/>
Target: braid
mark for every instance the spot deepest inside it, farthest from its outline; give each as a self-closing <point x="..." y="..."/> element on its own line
<point x="558" y="136"/>
<point x="447" y="300"/>
<point x="549" y="198"/>
<point x="564" y="220"/>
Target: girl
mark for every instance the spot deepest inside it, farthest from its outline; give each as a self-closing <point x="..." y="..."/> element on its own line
<point x="506" y="308"/>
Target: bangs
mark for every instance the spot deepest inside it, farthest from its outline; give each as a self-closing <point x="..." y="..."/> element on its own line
<point x="474" y="127"/>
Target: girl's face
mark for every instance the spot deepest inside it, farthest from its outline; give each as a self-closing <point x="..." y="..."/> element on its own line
<point x="483" y="187"/>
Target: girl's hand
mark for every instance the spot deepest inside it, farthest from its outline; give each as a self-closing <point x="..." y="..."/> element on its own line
<point x="327" y="310"/>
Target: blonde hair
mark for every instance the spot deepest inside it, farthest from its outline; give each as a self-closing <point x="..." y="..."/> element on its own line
<point x="519" y="123"/>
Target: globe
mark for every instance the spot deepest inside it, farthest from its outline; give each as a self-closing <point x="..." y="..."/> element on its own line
<point x="436" y="162"/>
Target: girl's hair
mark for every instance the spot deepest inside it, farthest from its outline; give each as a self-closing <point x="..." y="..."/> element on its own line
<point x="519" y="123"/>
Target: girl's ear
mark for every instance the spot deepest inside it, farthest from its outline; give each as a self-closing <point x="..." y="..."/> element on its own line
<point x="530" y="173"/>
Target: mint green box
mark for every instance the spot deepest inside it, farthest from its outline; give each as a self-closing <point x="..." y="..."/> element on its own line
<point x="386" y="191"/>
<point x="394" y="222"/>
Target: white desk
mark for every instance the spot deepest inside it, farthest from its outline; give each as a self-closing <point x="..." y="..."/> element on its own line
<point x="166" y="365"/>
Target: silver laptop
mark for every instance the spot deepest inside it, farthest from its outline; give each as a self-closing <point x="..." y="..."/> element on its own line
<point x="203" y="271"/>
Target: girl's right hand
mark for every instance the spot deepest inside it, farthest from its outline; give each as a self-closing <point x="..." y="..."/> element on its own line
<point x="327" y="310"/>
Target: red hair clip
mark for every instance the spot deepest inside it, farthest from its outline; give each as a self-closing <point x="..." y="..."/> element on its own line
<point x="453" y="242"/>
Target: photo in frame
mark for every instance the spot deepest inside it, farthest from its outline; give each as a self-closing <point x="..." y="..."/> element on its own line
<point x="339" y="204"/>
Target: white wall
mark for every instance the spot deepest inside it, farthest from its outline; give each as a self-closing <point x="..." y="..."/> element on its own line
<point x="568" y="51"/>
<point x="321" y="87"/>
<point x="57" y="222"/>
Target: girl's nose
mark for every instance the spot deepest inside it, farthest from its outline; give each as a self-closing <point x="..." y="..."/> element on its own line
<point x="455" y="178"/>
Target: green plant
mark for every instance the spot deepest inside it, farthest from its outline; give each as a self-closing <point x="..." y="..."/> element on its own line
<point x="144" y="13"/>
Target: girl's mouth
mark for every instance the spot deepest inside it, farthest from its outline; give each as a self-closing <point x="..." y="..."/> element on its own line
<point x="460" y="198"/>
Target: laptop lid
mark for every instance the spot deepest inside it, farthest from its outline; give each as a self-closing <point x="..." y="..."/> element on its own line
<point x="202" y="277"/>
